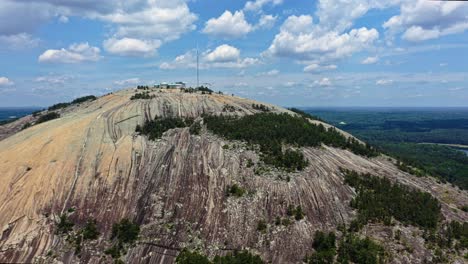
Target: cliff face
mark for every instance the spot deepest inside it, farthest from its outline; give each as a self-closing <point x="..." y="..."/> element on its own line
<point x="92" y="160"/>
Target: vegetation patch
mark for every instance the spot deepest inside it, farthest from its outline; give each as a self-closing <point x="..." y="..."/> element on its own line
<point x="272" y="131"/>
<point x="195" y="128"/>
<point x="261" y="107"/>
<point x="296" y="212"/>
<point x="452" y="235"/>
<point x="262" y="226"/>
<point x="235" y="190"/>
<point x="64" y="225"/>
<point x="202" y="89"/>
<point x="143" y="95"/>
<point x="154" y="129"/>
<point x="353" y="249"/>
<point x="76" y="101"/>
<point x="378" y="199"/>
<point x="428" y="159"/>
<point x="47" y="117"/>
<point x="238" y="257"/>
<point x="124" y="233"/>
<point x="325" y="248"/>
<point x="304" y="114"/>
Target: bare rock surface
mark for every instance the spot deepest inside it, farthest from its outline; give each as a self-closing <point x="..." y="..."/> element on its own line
<point x="92" y="160"/>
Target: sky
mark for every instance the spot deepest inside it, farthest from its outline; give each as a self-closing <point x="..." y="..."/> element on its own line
<point x="286" y="52"/>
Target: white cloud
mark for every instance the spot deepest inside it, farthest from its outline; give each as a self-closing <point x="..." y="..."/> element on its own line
<point x="148" y="20"/>
<point x="131" y="47"/>
<point x="18" y="41"/>
<point x="324" y="82"/>
<point x="223" y="53"/>
<point x="339" y="15"/>
<point x="156" y="20"/>
<point x="266" y="22"/>
<point x="228" y="25"/>
<point x="63" y="19"/>
<point x="300" y="38"/>
<point x="76" y="53"/>
<point x="423" y="20"/>
<point x="131" y="81"/>
<point x="383" y="82"/>
<point x="4" y="81"/>
<point x="273" y="72"/>
<point x="314" y="67"/>
<point x="223" y="56"/>
<point x="258" y="4"/>
<point x="370" y="60"/>
<point x="53" y="79"/>
<point x="417" y="33"/>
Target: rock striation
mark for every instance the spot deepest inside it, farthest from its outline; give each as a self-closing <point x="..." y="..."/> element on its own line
<point x="91" y="160"/>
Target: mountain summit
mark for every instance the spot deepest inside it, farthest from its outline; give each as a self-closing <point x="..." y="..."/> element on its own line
<point x="144" y="175"/>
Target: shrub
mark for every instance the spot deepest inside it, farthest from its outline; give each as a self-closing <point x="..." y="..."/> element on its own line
<point x="261" y="226"/>
<point x="125" y="231"/>
<point x="235" y="190"/>
<point x="64" y="225"/>
<point x="188" y="257"/>
<point x="90" y="231"/>
<point x="47" y="117"/>
<point x="296" y="212"/>
<point x="195" y="128"/>
<point x="26" y="125"/>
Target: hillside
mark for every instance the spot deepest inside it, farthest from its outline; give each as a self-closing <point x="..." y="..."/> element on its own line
<point x="203" y="188"/>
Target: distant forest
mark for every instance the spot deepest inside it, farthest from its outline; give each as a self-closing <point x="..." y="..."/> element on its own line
<point x="399" y="133"/>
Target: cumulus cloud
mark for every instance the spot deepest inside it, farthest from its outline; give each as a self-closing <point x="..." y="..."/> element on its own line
<point x="423" y="20"/>
<point x="315" y="68"/>
<point x="4" y="81"/>
<point x="370" y="60"/>
<point x="223" y="56"/>
<point x="148" y="20"/>
<point x="18" y="41"/>
<point x="223" y="53"/>
<point x="131" y="47"/>
<point x="258" y="4"/>
<point x="159" y="20"/>
<point x="131" y="81"/>
<point x="266" y="22"/>
<point x="324" y="82"/>
<point x="228" y="25"/>
<point x="76" y="53"/>
<point x="383" y="82"/>
<point x="300" y="38"/>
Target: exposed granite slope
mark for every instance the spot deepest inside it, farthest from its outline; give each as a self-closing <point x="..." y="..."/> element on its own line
<point x="90" y="159"/>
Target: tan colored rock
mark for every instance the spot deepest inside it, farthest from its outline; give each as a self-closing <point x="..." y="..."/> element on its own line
<point x="90" y="159"/>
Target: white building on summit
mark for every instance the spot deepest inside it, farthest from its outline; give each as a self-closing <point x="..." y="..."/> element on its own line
<point x="176" y="85"/>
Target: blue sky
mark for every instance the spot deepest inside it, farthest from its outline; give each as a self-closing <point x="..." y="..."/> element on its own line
<point x="291" y="53"/>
